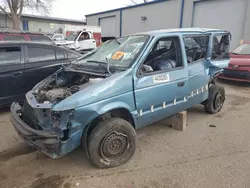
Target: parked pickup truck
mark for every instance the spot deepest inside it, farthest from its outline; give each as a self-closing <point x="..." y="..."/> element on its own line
<point x="130" y="82"/>
<point x="82" y="41"/>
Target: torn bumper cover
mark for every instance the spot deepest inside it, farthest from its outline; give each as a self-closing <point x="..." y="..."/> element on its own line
<point x="48" y="142"/>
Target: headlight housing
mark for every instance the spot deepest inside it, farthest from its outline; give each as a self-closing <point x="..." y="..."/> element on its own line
<point x="61" y="119"/>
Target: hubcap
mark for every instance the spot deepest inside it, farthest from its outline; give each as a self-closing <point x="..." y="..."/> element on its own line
<point x="218" y="101"/>
<point x="114" y="145"/>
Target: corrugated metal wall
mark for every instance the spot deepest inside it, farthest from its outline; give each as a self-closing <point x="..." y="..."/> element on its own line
<point x="108" y="25"/>
<point x="161" y="15"/>
<point x="223" y="14"/>
<point x="233" y="15"/>
<point x="95" y="20"/>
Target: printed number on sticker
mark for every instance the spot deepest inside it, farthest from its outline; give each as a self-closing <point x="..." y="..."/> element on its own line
<point x="161" y="78"/>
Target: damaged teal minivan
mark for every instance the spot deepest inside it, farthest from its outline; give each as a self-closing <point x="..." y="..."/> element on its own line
<point x="125" y="84"/>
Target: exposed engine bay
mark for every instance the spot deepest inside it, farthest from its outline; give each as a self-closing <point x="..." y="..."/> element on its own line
<point x="62" y="85"/>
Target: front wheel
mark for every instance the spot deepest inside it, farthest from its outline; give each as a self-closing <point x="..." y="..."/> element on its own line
<point x="215" y="99"/>
<point x="111" y="143"/>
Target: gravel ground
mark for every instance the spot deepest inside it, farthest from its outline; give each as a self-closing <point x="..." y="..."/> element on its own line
<point x="201" y="156"/>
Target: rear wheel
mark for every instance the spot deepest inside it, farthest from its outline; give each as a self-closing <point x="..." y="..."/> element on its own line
<point x="111" y="143"/>
<point x="215" y="99"/>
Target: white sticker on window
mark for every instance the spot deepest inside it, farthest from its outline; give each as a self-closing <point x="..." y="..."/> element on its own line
<point x="161" y="78"/>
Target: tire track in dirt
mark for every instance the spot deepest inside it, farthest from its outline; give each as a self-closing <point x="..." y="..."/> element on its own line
<point x="54" y="181"/>
<point x="15" y="152"/>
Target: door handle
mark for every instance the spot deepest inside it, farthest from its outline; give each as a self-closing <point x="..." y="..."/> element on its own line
<point x="180" y="84"/>
<point x="93" y="41"/>
<point x="17" y="73"/>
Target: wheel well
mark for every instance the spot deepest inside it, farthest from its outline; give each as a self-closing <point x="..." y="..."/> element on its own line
<point x="119" y="112"/>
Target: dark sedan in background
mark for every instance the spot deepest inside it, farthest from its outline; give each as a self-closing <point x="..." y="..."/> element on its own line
<point x="24" y="64"/>
<point x="239" y="66"/>
<point x="17" y="36"/>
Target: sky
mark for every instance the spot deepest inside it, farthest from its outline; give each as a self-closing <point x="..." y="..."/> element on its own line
<point x="77" y="9"/>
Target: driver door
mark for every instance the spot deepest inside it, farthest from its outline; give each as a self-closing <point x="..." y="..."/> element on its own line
<point x="12" y="74"/>
<point x="161" y="91"/>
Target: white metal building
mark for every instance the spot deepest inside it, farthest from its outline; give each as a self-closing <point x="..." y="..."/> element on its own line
<point x="233" y="15"/>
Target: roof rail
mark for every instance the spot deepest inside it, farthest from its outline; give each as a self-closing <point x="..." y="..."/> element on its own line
<point x="21" y="32"/>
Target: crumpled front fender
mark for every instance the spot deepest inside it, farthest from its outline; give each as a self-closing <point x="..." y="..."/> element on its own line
<point x="86" y="114"/>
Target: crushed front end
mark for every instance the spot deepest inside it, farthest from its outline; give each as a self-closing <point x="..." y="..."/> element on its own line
<point x="55" y="140"/>
<point x="55" y="133"/>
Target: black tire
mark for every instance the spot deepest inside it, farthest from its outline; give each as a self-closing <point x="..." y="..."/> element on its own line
<point x="111" y="143"/>
<point x="215" y="101"/>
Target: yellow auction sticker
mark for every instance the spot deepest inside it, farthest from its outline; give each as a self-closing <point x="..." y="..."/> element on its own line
<point x="118" y="55"/>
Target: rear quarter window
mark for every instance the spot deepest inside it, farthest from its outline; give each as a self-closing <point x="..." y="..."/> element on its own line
<point x="73" y="55"/>
<point x="61" y="55"/>
<point x="36" y="54"/>
<point x="13" y="38"/>
<point x="39" y="38"/>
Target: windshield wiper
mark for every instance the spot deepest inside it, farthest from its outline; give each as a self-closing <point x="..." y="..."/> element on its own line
<point x="102" y="63"/>
<point x="117" y="41"/>
<point x="108" y="65"/>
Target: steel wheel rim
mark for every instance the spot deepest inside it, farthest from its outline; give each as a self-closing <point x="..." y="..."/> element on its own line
<point x="114" y="145"/>
<point x="218" y="102"/>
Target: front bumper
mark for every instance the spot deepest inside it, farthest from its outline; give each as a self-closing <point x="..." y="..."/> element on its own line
<point x="48" y="142"/>
<point x="235" y="75"/>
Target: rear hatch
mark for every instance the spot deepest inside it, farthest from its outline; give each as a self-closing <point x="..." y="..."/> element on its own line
<point x="219" y="55"/>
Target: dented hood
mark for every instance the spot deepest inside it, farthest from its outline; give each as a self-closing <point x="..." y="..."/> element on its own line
<point x="112" y="86"/>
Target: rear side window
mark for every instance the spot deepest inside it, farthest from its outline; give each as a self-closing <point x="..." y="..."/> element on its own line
<point x="61" y="55"/>
<point x="58" y="37"/>
<point x="10" y="55"/>
<point x="40" y="54"/>
<point x="73" y="55"/>
<point x="196" y="47"/>
<point x="221" y="47"/>
<point x="13" y="38"/>
<point x="39" y="38"/>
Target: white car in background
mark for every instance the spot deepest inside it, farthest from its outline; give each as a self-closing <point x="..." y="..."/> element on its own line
<point x="57" y="37"/>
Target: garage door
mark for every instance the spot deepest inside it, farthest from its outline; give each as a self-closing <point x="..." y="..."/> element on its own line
<point x="222" y="14"/>
<point x="108" y="26"/>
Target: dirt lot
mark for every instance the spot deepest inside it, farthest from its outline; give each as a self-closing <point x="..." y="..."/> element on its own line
<point x="201" y="156"/>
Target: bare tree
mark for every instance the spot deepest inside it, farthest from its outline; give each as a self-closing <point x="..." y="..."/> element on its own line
<point x="14" y="8"/>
